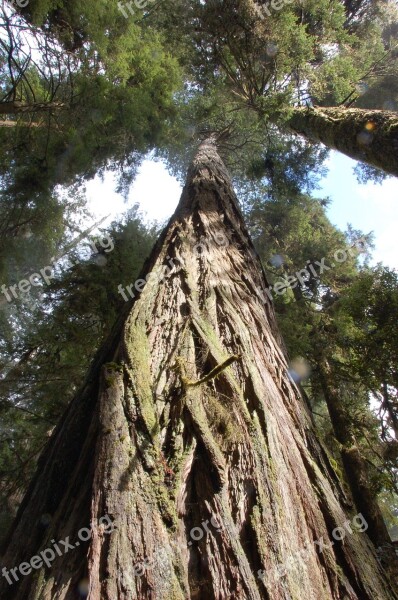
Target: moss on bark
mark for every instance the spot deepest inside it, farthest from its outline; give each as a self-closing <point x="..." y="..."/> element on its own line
<point x="370" y="136"/>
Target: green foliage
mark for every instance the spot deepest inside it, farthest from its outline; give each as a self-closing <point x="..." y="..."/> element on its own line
<point x="377" y="86"/>
<point x="372" y="305"/>
<point x="293" y="55"/>
<point x="366" y="173"/>
<point x="117" y="102"/>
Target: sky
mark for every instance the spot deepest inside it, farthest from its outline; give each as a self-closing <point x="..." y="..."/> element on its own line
<point x="370" y="207"/>
<point x="154" y="190"/>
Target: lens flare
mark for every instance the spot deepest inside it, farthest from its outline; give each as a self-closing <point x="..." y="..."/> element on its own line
<point x="83" y="587"/>
<point x="390" y="105"/>
<point x="299" y="369"/>
<point x="361" y="88"/>
<point x="370" y="126"/>
<point x="364" y="138"/>
<point x="276" y="260"/>
<point x="45" y="520"/>
<point x="100" y="260"/>
<point x="271" y="49"/>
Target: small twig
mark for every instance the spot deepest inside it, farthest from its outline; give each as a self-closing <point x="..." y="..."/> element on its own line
<point x="211" y="375"/>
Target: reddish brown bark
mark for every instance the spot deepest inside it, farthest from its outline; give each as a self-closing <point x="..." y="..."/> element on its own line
<point x="236" y="453"/>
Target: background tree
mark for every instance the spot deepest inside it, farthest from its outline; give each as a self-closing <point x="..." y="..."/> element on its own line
<point x="371" y="303"/>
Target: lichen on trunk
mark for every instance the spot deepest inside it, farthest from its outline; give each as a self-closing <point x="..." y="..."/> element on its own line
<point x="370" y="136"/>
<point x="191" y="437"/>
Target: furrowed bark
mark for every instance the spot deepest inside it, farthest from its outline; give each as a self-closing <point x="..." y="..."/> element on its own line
<point x="188" y="423"/>
<point x="370" y="136"/>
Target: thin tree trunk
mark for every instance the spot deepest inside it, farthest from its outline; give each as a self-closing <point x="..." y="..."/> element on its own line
<point x="14" y="107"/>
<point x="357" y="473"/>
<point x="389" y="408"/>
<point x="370" y="136"/>
<point x="188" y="419"/>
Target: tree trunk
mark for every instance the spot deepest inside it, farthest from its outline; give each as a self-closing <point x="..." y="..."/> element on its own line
<point x="189" y="435"/>
<point x="370" y="136"/>
<point x="14" y="107"/>
<point x="357" y="473"/>
<point x="388" y="406"/>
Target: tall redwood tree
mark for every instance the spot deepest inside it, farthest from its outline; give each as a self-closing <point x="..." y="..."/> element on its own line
<point x="190" y="436"/>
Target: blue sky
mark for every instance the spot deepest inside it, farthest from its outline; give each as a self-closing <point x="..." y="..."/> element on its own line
<point x="370" y="207"/>
<point x="367" y="207"/>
